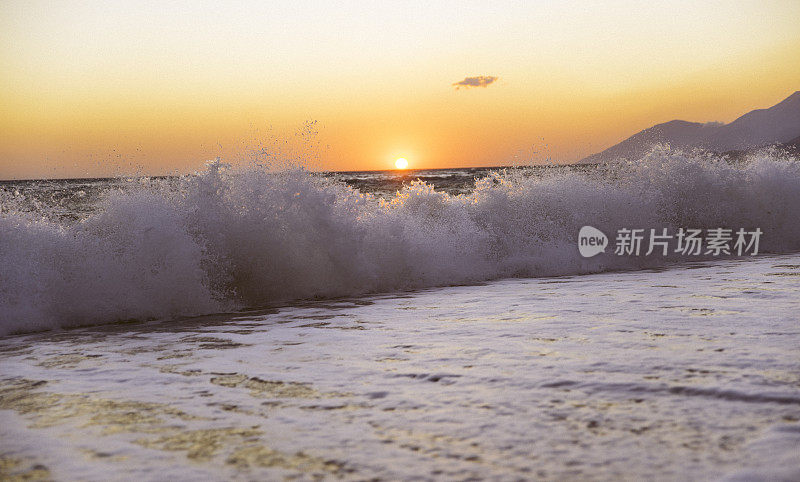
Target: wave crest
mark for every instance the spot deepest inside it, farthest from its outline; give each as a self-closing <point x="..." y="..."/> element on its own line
<point x="228" y="238"/>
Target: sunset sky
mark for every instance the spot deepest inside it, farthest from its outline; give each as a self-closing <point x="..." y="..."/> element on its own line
<point x="103" y="88"/>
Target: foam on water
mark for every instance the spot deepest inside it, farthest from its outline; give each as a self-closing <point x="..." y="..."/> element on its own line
<point x="689" y="373"/>
<point x="228" y="238"/>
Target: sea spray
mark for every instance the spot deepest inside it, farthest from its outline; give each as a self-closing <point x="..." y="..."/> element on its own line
<point x="229" y="238"/>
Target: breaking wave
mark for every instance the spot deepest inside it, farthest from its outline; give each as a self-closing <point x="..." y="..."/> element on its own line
<point x="228" y="238"/>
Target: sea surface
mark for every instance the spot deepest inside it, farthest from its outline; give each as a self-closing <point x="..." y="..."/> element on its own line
<point x="248" y="324"/>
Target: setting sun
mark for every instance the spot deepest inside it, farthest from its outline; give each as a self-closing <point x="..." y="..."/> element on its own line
<point x="401" y="163"/>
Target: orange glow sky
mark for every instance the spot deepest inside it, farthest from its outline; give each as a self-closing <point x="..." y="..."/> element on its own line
<point x="104" y="88"/>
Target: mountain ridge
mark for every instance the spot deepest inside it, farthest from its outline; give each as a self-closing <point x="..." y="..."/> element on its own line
<point x="777" y="124"/>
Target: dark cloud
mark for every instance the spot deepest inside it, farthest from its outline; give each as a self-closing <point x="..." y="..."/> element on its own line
<point x="479" y="81"/>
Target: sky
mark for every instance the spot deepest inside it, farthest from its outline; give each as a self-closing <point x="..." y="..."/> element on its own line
<point x="118" y="87"/>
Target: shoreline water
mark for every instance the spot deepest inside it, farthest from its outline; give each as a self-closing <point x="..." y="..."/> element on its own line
<point x="438" y="331"/>
<point x="688" y="372"/>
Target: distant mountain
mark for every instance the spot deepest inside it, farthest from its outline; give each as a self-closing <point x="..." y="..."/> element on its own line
<point x="778" y="124"/>
<point x="793" y="143"/>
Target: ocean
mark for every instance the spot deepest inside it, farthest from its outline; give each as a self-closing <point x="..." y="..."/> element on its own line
<point x="247" y="323"/>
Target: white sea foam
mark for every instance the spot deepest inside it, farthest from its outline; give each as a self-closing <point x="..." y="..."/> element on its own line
<point x="689" y="373"/>
<point x="228" y="238"/>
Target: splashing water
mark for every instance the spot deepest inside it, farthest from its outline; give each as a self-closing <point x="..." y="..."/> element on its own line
<point x="228" y="238"/>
